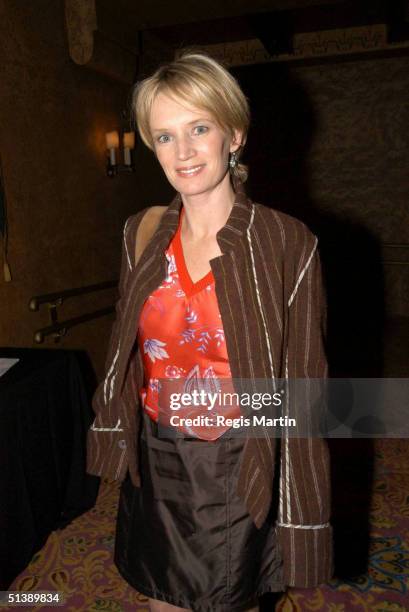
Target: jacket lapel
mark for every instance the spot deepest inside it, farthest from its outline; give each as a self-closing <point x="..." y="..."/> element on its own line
<point x="234" y="289"/>
<point x="147" y="275"/>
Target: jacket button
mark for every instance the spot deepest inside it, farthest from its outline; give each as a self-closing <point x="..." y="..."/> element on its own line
<point x="122" y="443"/>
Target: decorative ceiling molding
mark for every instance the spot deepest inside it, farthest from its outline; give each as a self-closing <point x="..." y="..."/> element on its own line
<point x="150" y="14"/>
<point x="306" y="45"/>
<point x="89" y="47"/>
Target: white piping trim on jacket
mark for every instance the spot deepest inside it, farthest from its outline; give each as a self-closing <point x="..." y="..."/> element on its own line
<point x="116" y="428"/>
<point x="126" y="246"/>
<point x="287" y="456"/>
<point x="281" y="496"/>
<point x="109" y="373"/>
<point x="258" y="295"/>
<point x="111" y="386"/>
<point x="287" y="449"/>
<point x="292" y="296"/>
<point x="120" y="464"/>
<point x="286" y="441"/>
<point x="291" y="525"/>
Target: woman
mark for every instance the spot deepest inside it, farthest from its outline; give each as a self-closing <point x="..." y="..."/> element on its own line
<point x="225" y="290"/>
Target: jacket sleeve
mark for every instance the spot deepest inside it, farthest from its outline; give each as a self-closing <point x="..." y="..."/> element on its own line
<point x="106" y="439"/>
<point x="304" y="531"/>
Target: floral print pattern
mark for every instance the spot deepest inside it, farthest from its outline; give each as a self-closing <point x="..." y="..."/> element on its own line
<point x="153" y="348"/>
<point x="181" y="337"/>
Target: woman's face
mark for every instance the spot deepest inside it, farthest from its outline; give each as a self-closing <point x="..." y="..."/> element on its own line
<point x="191" y="148"/>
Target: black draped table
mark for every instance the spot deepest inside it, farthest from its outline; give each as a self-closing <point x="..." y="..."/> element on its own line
<point x="45" y="411"/>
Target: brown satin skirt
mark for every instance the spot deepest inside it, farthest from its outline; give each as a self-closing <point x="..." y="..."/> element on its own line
<point x="184" y="536"/>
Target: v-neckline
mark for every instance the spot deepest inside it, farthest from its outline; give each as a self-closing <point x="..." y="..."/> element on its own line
<point x="188" y="286"/>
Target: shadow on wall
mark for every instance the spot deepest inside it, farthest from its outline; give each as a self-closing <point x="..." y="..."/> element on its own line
<point x="284" y="121"/>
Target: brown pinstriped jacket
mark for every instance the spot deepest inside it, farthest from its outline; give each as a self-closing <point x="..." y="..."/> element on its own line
<point x="272" y="304"/>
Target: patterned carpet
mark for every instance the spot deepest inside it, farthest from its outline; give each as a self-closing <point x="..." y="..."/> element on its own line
<point x="78" y="559"/>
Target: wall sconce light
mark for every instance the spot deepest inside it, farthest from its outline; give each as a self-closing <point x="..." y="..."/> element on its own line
<point x="112" y="144"/>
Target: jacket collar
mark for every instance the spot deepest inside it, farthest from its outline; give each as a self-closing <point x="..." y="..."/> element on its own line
<point x="235" y="228"/>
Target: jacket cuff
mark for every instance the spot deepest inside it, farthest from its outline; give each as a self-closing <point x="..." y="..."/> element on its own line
<point x="107" y="454"/>
<point x="307" y="553"/>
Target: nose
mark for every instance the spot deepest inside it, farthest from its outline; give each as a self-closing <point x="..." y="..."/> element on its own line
<point x="184" y="147"/>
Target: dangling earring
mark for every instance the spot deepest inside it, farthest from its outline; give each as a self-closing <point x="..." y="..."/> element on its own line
<point x="233" y="160"/>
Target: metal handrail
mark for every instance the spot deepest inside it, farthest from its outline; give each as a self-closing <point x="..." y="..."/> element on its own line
<point x="58" y="329"/>
<point x="36" y="301"/>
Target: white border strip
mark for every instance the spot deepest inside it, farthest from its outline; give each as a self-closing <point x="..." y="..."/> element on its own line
<point x="116" y="428"/>
<point x="258" y="296"/>
<point x="303" y="271"/>
<point x="321" y="526"/>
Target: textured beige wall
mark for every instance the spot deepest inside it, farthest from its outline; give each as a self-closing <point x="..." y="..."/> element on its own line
<point x="359" y="159"/>
<point x="329" y="144"/>
<point x="65" y="216"/>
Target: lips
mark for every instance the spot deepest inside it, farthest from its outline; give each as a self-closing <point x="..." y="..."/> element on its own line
<point x="190" y="171"/>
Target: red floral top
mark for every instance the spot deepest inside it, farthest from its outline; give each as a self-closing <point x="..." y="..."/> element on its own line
<point x="182" y="344"/>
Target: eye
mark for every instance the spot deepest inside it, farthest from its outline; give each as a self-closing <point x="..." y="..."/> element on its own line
<point x="161" y="138"/>
<point x="201" y="129"/>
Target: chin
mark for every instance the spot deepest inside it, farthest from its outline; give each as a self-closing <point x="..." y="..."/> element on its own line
<point x="195" y="186"/>
<point x="190" y="185"/>
<point x="195" y="189"/>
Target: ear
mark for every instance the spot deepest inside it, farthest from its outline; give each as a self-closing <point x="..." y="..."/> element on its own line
<point x="237" y="141"/>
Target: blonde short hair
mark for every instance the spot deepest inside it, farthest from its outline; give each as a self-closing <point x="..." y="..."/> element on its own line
<point x="202" y="82"/>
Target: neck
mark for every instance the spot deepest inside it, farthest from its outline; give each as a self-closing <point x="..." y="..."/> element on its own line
<point x="206" y="213"/>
